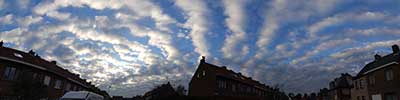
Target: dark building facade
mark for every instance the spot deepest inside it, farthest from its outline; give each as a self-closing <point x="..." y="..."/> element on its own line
<point x="340" y="88"/>
<point x="379" y="79"/>
<point x="28" y="74"/>
<point x="161" y="92"/>
<point x="212" y="80"/>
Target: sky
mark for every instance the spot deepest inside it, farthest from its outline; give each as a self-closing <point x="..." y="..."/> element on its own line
<point x="127" y="47"/>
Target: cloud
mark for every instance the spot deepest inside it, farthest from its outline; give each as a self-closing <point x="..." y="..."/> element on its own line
<point x="236" y="23"/>
<point x="344" y="17"/>
<point x="369" y="47"/>
<point x="28" y="20"/>
<point x="376" y="31"/>
<point x="327" y="45"/>
<point x="129" y="46"/>
<point x="322" y="24"/>
<point x="50" y="8"/>
<point x="2" y="4"/>
<point x="23" y="3"/>
<point x="7" y="19"/>
<point x="197" y="22"/>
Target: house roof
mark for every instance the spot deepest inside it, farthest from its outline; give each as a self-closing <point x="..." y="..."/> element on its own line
<point x="33" y="60"/>
<point x="160" y="89"/>
<point x="226" y="73"/>
<point x="380" y="62"/>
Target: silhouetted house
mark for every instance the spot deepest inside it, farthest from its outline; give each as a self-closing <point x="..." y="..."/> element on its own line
<point x="28" y="72"/>
<point x="379" y="79"/>
<point x="212" y="80"/>
<point x="163" y="91"/>
<point x="340" y="88"/>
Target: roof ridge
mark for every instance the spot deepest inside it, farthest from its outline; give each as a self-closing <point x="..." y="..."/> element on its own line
<point x="247" y="79"/>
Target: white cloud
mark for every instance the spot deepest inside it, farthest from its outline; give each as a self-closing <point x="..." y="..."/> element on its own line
<point x="365" y="48"/>
<point x="235" y="10"/>
<point x="23" y="3"/>
<point x="151" y="10"/>
<point x="374" y="31"/>
<point x="51" y="8"/>
<point x="328" y="45"/>
<point x="197" y="22"/>
<point x="2" y="4"/>
<point x="313" y="29"/>
<point x="13" y="36"/>
<point x="28" y="20"/>
<point x="7" y="19"/>
<point x="345" y="17"/>
<point x="267" y="31"/>
<point x="59" y="15"/>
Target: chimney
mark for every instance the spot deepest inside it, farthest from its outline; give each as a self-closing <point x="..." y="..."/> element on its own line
<point x="54" y="62"/>
<point x="1" y="43"/>
<point x="377" y="57"/>
<point x="32" y="53"/>
<point x="395" y="48"/>
<point x="203" y="59"/>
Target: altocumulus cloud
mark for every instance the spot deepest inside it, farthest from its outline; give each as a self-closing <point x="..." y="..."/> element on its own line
<point x="128" y="46"/>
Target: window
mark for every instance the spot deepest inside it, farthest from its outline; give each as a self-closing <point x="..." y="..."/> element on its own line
<point x="371" y="80"/>
<point x="47" y="80"/>
<point x="233" y="87"/>
<point x="363" y="98"/>
<point x="10" y="73"/>
<point x="389" y="75"/>
<point x="58" y="84"/>
<point x="201" y="74"/>
<point x="376" y="97"/>
<point x="18" y="55"/>
<point x="361" y="84"/>
<point x="34" y="76"/>
<point x="219" y="83"/>
<point x="75" y="88"/>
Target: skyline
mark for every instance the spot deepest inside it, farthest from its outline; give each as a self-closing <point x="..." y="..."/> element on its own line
<point x="127" y="47"/>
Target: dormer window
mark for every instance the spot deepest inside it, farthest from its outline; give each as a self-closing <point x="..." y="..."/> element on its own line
<point x="18" y="55"/>
<point x="202" y="74"/>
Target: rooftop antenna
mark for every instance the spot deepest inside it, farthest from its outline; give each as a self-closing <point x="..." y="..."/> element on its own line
<point x="167" y="78"/>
